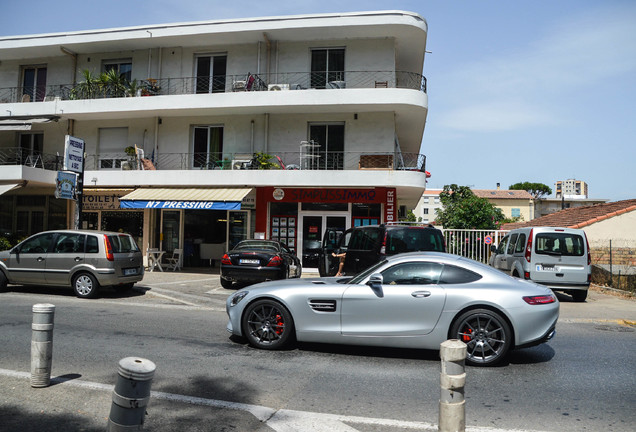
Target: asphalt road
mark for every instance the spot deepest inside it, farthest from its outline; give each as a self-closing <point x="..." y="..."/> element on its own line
<point x="582" y="380"/>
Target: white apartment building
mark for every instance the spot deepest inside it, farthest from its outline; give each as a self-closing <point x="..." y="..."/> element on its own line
<point x="338" y="97"/>
<point x="426" y="209"/>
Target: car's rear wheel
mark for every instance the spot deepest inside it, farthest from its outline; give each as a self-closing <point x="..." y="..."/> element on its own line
<point x="85" y="285"/>
<point x="486" y="334"/>
<point x="267" y="325"/>
<point x="578" y="295"/>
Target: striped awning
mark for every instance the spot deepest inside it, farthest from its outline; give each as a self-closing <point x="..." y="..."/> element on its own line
<point x="185" y="198"/>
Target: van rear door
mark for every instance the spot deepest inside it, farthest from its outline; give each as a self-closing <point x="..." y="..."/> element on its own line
<point x="559" y="258"/>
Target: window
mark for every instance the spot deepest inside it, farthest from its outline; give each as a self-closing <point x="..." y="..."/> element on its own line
<point x="124" y="67"/>
<point x="207" y="146"/>
<point x="453" y="275"/>
<point x="210" y="73"/>
<point x="511" y="245"/>
<point x="364" y="239"/>
<point x="521" y="243"/>
<point x="112" y="142"/>
<point x="69" y="243"/>
<point x="515" y="212"/>
<point x="425" y="211"/>
<point x="33" y="83"/>
<point x="502" y="246"/>
<point x="327" y="66"/>
<point x="330" y="139"/>
<point x="91" y="244"/>
<point x="414" y="273"/>
<point x="38" y="244"/>
<point x="563" y="244"/>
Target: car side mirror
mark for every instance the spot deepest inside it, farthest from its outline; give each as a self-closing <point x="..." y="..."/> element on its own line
<point x="493" y="248"/>
<point x="376" y="280"/>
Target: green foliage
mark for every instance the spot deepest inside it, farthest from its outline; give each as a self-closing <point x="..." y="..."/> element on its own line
<point x="111" y="84"/>
<point x="464" y="210"/>
<point x="4" y="243"/>
<point x="410" y="217"/>
<point x="537" y="190"/>
<point x="263" y="161"/>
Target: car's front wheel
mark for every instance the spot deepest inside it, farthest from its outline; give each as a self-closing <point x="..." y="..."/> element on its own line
<point x="85" y="285"/>
<point x="486" y="334"/>
<point x="267" y="325"/>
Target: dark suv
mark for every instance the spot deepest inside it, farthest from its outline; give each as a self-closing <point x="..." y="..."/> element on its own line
<point x="367" y="245"/>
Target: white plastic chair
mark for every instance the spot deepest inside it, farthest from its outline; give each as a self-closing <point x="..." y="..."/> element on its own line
<point x="174" y="262"/>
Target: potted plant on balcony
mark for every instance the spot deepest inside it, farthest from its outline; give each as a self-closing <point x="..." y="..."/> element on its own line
<point x="150" y="87"/>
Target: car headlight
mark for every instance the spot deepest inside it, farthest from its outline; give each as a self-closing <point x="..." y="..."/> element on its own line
<point x="236" y="298"/>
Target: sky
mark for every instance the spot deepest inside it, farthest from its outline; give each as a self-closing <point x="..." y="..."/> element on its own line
<point x="536" y="91"/>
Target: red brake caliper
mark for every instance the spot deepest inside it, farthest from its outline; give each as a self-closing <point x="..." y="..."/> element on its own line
<point x="467" y="337"/>
<point x="280" y="325"/>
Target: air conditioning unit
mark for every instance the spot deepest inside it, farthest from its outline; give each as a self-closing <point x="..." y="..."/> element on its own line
<point x="276" y="87"/>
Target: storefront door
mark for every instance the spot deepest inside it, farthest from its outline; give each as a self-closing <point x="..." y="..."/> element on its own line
<point x="312" y="228"/>
<point x="238" y="227"/>
<point x="170" y="230"/>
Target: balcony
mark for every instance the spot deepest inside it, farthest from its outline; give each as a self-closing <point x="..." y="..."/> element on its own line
<point x="219" y="84"/>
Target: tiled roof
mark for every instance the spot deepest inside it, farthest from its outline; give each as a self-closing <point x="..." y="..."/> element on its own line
<point x="502" y="194"/>
<point x="579" y="217"/>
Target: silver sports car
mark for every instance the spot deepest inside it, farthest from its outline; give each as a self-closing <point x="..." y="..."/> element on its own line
<point x="414" y="300"/>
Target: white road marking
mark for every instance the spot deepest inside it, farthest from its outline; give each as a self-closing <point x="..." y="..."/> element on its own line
<point x="281" y="420"/>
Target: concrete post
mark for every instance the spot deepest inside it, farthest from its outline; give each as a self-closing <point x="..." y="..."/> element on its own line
<point x="42" y="344"/>
<point x="452" y="414"/>
<point x="131" y="394"/>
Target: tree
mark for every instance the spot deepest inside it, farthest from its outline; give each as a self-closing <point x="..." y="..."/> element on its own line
<point x="464" y="210"/>
<point x="537" y="190"/>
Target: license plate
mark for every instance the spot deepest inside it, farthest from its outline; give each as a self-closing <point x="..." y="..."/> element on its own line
<point x="130" y="271"/>
<point x="249" y="261"/>
<point x="546" y="268"/>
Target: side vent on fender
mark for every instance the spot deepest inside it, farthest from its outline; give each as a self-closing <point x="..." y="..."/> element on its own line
<point x="323" y="305"/>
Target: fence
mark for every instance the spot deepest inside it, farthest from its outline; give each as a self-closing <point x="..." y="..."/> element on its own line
<point x="473" y="244"/>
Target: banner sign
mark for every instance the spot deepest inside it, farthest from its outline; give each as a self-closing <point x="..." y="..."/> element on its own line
<point x="73" y="154"/>
<point x="66" y="185"/>
<point x="177" y="205"/>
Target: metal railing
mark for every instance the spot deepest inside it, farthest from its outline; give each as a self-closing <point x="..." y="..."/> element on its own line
<point x="218" y="84"/>
<point x="472" y="244"/>
<point x="35" y="159"/>
<point x="277" y="160"/>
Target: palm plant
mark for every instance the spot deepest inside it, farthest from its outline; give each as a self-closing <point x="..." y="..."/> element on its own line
<point x="87" y="89"/>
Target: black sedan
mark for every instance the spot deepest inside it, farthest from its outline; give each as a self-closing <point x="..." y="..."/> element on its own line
<point x="253" y="261"/>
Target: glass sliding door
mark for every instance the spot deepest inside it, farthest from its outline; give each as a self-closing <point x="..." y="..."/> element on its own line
<point x="33" y="83"/>
<point x="330" y="138"/>
<point x="327" y="66"/>
<point x="238" y="227"/>
<point x="170" y="230"/>
<point x="207" y="147"/>
<point x="210" y="73"/>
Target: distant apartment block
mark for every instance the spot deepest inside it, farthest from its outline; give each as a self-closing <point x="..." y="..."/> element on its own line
<point x="571" y="188"/>
<point x="427" y="206"/>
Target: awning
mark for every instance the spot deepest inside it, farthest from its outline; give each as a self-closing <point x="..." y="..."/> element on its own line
<point x="7" y="187"/>
<point x="185" y="198"/>
<point x="24" y="122"/>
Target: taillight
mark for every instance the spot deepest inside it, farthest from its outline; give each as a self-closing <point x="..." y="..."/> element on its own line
<point x="226" y="260"/>
<point x="109" y="249"/>
<point x="383" y="247"/>
<point x="589" y="257"/>
<point x="529" y="248"/>
<point x="542" y="299"/>
<point x="275" y="261"/>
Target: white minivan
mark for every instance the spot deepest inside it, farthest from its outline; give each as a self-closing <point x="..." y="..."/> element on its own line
<point x="556" y="257"/>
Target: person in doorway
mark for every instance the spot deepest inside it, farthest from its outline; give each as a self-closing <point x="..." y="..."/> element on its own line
<point x="341" y="256"/>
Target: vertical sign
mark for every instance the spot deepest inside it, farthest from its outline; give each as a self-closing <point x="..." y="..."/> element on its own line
<point x="389" y="206"/>
<point x="74" y="154"/>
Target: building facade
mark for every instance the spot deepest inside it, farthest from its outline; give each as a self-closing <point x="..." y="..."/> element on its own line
<point x="571" y="188"/>
<point x="513" y="203"/>
<point x="333" y="106"/>
<point x="427" y="206"/>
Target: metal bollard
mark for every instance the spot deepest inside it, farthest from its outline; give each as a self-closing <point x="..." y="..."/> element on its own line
<point x="42" y="344"/>
<point x="452" y="413"/>
<point x="131" y="394"/>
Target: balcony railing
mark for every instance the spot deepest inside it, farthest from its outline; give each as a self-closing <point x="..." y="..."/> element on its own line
<point x="277" y="160"/>
<point x="35" y="159"/>
<point x="217" y="84"/>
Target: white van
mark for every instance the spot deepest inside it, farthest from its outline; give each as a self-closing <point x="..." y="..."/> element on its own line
<point x="556" y="257"/>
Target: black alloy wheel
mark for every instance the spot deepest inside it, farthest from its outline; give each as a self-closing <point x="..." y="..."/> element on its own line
<point x="486" y="334"/>
<point x="267" y="325"/>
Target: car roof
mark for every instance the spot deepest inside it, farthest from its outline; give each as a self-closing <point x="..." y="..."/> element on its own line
<point x="84" y="232"/>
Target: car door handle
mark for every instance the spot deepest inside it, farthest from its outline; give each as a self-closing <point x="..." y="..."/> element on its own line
<point x="40" y="259"/>
<point x="78" y="259"/>
<point x="421" y="294"/>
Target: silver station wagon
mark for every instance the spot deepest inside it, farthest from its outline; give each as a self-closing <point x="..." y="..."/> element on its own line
<point x="83" y="260"/>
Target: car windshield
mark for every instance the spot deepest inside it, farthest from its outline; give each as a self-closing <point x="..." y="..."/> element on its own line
<point x="260" y="245"/>
<point x="365" y="273"/>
